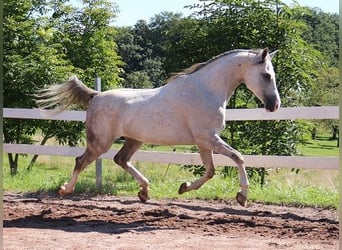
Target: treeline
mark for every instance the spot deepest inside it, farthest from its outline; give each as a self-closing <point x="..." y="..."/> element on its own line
<point x="46" y="41"/>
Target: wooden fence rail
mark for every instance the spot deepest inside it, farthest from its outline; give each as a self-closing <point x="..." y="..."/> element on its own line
<point x="324" y="112"/>
<point x="323" y="163"/>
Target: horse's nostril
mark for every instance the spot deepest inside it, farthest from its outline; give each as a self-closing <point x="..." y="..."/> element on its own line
<point x="277" y="106"/>
<point x="272" y="108"/>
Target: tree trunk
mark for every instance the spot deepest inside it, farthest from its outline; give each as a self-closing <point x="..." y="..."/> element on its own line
<point x="35" y="157"/>
<point x="313" y="133"/>
<point x="334" y="134"/>
<point x="13" y="162"/>
<point x="262" y="174"/>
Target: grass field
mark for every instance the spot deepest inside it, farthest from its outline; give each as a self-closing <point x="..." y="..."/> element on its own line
<point x="308" y="187"/>
<point x="322" y="146"/>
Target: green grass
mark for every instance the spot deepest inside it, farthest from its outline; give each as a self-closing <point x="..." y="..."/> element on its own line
<point x="322" y="146"/>
<point x="308" y="187"/>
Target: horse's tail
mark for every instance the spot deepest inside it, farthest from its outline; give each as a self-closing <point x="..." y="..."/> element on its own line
<point x="58" y="98"/>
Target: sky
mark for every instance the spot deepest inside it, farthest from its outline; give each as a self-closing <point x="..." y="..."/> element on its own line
<point x="133" y="10"/>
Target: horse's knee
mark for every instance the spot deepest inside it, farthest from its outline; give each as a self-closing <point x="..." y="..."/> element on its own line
<point x="237" y="157"/>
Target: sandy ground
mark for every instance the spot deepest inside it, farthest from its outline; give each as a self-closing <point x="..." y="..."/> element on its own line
<point x="45" y="221"/>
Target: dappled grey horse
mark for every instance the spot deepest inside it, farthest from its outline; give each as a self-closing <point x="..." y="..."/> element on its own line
<point x="189" y="110"/>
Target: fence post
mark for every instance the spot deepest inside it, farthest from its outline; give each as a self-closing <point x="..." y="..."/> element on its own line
<point x="98" y="162"/>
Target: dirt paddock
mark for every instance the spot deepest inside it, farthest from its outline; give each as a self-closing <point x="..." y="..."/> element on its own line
<point x="45" y="221"/>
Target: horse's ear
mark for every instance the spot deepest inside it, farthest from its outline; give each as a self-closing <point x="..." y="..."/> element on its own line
<point x="264" y="54"/>
<point x="273" y="53"/>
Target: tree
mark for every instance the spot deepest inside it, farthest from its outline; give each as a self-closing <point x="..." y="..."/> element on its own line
<point x="89" y="41"/>
<point x="31" y="61"/>
<point x="143" y="68"/>
<point x="137" y="80"/>
<point x="45" y="42"/>
<point x="322" y="33"/>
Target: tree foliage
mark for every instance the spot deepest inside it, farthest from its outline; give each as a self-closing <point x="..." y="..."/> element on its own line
<point x="44" y="43"/>
<point x="143" y="67"/>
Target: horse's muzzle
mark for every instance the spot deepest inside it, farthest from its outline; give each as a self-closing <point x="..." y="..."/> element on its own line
<point x="272" y="104"/>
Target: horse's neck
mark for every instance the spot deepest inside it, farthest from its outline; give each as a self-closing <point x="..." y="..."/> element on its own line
<point x="222" y="76"/>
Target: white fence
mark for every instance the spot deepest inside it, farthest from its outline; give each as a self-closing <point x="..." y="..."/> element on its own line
<point x="324" y="163"/>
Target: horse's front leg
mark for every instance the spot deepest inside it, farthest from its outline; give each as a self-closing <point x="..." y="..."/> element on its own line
<point x="219" y="146"/>
<point x="207" y="158"/>
<point x="122" y="158"/>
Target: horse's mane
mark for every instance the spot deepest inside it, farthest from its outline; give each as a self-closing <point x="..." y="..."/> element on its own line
<point x="199" y="66"/>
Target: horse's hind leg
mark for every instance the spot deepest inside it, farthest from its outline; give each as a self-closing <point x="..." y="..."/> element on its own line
<point x="99" y="141"/>
<point x="123" y="157"/>
<point x="81" y="162"/>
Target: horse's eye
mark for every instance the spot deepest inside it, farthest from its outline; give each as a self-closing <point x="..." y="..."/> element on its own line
<point x="267" y="76"/>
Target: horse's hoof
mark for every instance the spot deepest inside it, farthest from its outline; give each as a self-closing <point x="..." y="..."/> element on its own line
<point x="143" y="196"/>
<point x="61" y="191"/>
<point x="183" y="187"/>
<point x="241" y="199"/>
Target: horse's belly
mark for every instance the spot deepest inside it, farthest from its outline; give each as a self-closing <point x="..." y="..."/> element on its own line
<point x="167" y="139"/>
<point x="160" y="132"/>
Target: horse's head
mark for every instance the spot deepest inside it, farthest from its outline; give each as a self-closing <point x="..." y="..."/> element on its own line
<point x="260" y="79"/>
